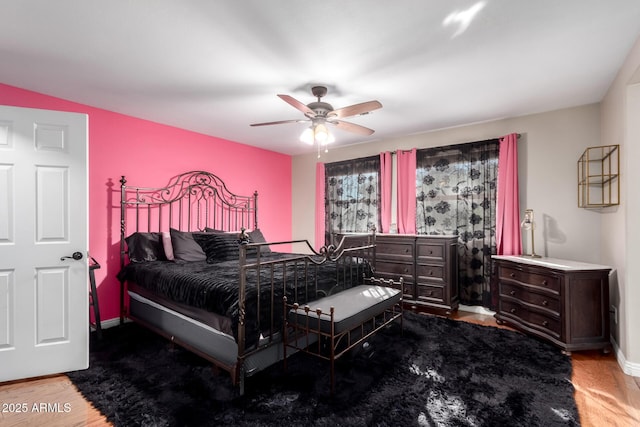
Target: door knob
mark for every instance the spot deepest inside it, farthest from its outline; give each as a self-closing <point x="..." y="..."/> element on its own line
<point x="75" y="255"/>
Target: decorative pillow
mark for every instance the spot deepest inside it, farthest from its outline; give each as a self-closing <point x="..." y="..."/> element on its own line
<point x="209" y="245"/>
<point x="145" y="247"/>
<point x="185" y="247"/>
<point x="166" y="244"/>
<point x="219" y="246"/>
<point x="213" y="230"/>
<point x="256" y="237"/>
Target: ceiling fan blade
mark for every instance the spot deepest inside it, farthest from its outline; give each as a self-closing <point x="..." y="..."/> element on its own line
<point x="354" y="110"/>
<point x="298" y="105"/>
<point x="279" y="122"/>
<point x="352" y="127"/>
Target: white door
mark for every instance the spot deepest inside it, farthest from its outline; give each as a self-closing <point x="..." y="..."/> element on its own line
<point x="44" y="307"/>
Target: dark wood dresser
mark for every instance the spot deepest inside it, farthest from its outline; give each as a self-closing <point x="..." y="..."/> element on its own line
<point x="564" y="302"/>
<point x="428" y="265"/>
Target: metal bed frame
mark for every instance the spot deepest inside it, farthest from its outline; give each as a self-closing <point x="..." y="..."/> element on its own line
<point x="194" y="201"/>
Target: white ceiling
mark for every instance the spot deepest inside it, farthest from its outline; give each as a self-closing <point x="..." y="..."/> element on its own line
<point x="215" y="66"/>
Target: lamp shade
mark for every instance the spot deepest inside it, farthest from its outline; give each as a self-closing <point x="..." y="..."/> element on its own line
<point x="307" y="136"/>
<point x="321" y="134"/>
<point x="330" y="138"/>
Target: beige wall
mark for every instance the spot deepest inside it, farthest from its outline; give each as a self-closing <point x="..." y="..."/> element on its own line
<point x="619" y="227"/>
<point x="548" y="151"/>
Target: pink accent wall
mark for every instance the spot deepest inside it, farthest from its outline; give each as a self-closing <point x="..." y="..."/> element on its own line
<point x="148" y="154"/>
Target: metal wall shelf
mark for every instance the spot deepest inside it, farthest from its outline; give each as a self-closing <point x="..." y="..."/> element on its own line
<point x="598" y="177"/>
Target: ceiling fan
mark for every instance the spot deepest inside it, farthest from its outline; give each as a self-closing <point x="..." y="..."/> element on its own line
<point x="320" y="113"/>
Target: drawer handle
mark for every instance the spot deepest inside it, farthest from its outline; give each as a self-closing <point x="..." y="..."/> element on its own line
<point x="430" y="252"/>
<point x="513" y="311"/>
<point x="512" y="293"/>
<point x="513" y="275"/>
<point x="406" y="251"/>
<point x="430" y="272"/>
<point x="429" y="293"/>
<point x="406" y="270"/>
<point x="544" y="283"/>
<point x="545" y="303"/>
<point x="545" y="323"/>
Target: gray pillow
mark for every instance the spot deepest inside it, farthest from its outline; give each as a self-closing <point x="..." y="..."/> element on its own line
<point x="256" y="236"/>
<point x="213" y="230"/>
<point x="185" y="248"/>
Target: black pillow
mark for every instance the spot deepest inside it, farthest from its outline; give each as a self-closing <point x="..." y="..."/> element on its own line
<point x="185" y="247"/>
<point x="209" y="245"/>
<point x="145" y="247"/>
<point x="218" y="246"/>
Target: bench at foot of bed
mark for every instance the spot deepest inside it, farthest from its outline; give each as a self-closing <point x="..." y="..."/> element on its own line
<point x="335" y="324"/>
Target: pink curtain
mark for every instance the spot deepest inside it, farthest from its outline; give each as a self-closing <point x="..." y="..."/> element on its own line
<point x="320" y="224"/>
<point x="385" y="191"/>
<point x="508" y="238"/>
<point x="406" y="191"/>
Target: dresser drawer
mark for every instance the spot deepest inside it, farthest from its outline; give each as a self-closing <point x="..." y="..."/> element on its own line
<point x="395" y="270"/>
<point x="430" y="252"/>
<point x="542" y="281"/>
<point x="394" y="250"/>
<point x="547" y="324"/>
<point x="428" y="293"/>
<point x="408" y="291"/>
<point x="544" y="301"/>
<point x="408" y="288"/>
<point x="430" y="272"/>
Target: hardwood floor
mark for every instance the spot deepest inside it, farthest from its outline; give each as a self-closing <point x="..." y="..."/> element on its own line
<point x="48" y="401"/>
<point x="605" y="396"/>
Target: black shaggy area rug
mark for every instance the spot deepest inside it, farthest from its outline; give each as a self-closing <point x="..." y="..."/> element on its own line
<point x="439" y="372"/>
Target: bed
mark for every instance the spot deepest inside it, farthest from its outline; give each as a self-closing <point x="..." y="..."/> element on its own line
<point x="196" y="268"/>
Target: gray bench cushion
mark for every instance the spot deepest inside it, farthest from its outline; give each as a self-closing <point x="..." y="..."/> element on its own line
<point x="352" y="307"/>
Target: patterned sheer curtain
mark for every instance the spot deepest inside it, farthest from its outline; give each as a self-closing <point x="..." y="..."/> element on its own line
<point x="456" y="194"/>
<point x="352" y="196"/>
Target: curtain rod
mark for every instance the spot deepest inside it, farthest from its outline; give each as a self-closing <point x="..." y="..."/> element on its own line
<point x="406" y="151"/>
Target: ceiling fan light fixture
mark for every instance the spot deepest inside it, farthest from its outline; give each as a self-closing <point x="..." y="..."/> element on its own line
<point x="330" y="138"/>
<point x="317" y="134"/>
<point x="319" y="113"/>
<point x="321" y="134"/>
<point x="307" y="136"/>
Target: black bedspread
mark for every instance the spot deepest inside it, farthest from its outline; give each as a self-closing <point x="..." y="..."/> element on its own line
<point x="214" y="287"/>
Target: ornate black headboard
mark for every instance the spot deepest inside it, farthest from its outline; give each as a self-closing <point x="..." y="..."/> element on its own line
<point x="191" y="201"/>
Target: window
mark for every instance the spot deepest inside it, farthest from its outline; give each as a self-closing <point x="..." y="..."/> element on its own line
<point x="352" y="196"/>
<point x="456" y="194"/>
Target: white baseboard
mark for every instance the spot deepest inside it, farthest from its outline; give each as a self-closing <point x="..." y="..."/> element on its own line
<point x="110" y="323"/>
<point x="629" y="368"/>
